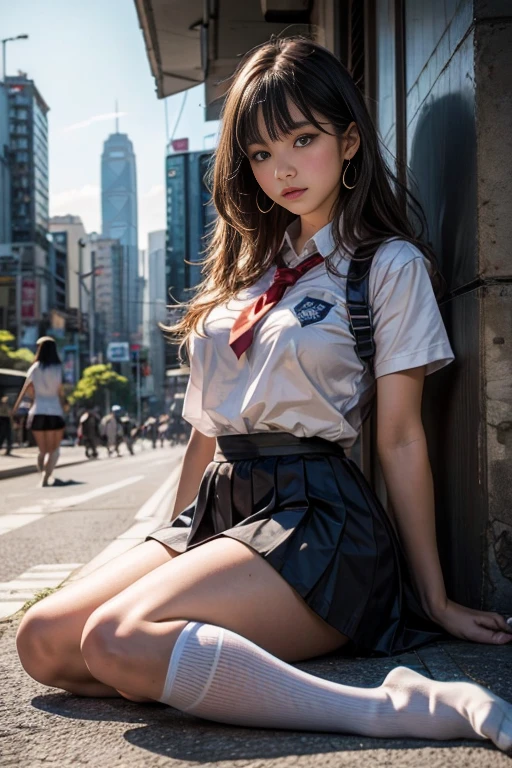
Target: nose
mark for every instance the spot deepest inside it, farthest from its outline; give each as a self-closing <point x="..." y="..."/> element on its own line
<point x="284" y="170"/>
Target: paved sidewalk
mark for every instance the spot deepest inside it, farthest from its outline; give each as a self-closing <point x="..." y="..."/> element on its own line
<point x="22" y="461"/>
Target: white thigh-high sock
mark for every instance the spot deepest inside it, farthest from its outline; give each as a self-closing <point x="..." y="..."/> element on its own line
<point x="40" y="461"/>
<point x="51" y="462"/>
<point x="219" y="675"/>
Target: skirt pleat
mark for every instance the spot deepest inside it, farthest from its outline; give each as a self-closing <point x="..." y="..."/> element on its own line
<point x="314" y="518"/>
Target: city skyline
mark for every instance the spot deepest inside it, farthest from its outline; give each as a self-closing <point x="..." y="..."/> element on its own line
<point x="81" y="84"/>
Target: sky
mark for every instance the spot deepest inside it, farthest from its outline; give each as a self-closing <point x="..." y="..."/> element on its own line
<point x="83" y="56"/>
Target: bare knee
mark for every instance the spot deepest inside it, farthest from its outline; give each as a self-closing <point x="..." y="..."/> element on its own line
<point x="38" y="645"/>
<point x="105" y="646"/>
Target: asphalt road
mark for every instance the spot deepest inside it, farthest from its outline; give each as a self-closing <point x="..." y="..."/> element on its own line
<point x="69" y="524"/>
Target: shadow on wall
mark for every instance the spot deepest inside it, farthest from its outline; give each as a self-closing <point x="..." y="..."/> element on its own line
<point x="443" y="164"/>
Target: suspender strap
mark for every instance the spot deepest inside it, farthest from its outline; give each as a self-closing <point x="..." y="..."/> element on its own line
<point x="359" y="310"/>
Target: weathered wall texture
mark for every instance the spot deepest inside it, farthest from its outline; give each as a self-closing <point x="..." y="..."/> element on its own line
<point x="459" y="140"/>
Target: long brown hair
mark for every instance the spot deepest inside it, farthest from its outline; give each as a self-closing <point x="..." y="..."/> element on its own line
<point x="244" y="241"/>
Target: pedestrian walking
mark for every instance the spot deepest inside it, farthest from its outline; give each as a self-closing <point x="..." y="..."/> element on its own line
<point x="46" y="415"/>
<point x="163" y="428"/>
<point x="111" y="431"/>
<point x="151" y="430"/>
<point x="127" y="426"/>
<point x="318" y="295"/>
<point x="89" y="429"/>
<point x="5" y="425"/>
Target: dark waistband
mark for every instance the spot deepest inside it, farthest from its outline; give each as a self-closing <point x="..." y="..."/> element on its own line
<point x="234" y="447"/>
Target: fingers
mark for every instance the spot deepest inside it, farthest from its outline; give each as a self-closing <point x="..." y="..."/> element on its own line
<point x="492" y="628"/>
<point x="495" y="621"/>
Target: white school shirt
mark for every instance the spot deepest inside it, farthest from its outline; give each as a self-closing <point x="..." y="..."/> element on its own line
<point x="302" y="374"/>
<point x="46" y="381"/>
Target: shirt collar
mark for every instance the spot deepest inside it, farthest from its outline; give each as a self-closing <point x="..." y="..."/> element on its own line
<point x="322" y="242"/>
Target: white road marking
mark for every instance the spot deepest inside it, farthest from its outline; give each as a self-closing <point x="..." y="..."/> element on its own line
<point x="14" y="594"/>
<point x="25" y="515"/>
<point x="153" y="512"/>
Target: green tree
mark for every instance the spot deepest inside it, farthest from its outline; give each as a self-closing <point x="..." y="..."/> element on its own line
<point x="17" y="359"/>
<point x="98" y="384"/>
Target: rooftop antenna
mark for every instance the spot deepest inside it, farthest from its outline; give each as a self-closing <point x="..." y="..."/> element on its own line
<point x="117" y="118"/>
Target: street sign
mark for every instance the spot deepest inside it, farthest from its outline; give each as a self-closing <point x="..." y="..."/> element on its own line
<point x="118" y="352"/>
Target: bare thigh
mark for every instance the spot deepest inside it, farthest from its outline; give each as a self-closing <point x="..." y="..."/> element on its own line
<point x="40" y="436"/>
<point x="54" y="439"/>
<point x="50" y="632"/>
<point x="128" y="641"/>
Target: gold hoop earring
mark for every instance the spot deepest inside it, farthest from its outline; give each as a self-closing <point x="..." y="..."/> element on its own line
<point x="257" y="206"/>
<point x="355" y="177"/>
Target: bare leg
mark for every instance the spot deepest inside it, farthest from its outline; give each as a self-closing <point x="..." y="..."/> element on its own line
<point x="54" y="438"/>
<point x="49" y="634"/>
<point x="42" y="444"/>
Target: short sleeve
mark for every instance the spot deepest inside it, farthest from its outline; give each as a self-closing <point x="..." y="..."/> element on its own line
<point x="30" y="372"/>
<point x="408" y="328"/>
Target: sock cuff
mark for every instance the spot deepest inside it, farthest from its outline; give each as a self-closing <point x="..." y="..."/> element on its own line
<point x="175" y="659"/>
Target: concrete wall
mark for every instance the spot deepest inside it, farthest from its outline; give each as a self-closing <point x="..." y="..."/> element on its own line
<point x="459" y="113"/>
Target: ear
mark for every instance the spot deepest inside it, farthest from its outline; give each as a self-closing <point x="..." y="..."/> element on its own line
<point x="351" y="141"/>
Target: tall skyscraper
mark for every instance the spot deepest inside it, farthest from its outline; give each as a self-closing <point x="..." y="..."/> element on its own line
<point x="119" y="218"/>
<point x="28" y="141"/>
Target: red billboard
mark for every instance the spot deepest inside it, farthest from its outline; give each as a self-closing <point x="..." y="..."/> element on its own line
<point x="28" y="298"/>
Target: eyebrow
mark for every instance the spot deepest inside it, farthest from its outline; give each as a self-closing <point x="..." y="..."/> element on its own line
<point x="294" y="127"/>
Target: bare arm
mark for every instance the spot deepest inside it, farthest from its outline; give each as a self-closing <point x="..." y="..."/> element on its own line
<point x="62" y="398"/>
<point x="199" y="453"/>
<point x="402" y="449"/>
<point x="27" y="387"/>
<point x="403" y="454"/>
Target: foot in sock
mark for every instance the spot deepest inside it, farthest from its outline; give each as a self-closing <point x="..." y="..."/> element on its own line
<point x="221" y="676"/>
<point x="451" y="710"/>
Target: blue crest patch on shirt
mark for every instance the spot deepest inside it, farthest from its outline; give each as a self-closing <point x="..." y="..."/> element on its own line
<point x="311" y="310"/>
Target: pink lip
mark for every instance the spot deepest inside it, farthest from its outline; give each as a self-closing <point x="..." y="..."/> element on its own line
<point x="293" y="195"/>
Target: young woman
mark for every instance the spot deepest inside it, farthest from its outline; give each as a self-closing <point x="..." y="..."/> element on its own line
<point x="45" y="417"/>
<point x="289" y="554"/>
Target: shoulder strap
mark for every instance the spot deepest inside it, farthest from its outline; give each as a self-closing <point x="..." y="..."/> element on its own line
<point x="359" y="310"/>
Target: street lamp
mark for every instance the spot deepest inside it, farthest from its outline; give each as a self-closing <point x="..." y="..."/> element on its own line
<point x="4" y="43"/>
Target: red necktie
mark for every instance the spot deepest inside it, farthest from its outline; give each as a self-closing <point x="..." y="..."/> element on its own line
<point x="242" y="332"/>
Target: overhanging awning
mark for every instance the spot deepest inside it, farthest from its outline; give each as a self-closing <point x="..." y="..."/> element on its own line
<point x="194" y="41"/>
<point x="172" y="32"/>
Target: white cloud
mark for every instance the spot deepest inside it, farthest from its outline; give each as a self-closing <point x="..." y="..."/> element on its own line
<point x="71" y="196"/>
<point x="83" y="202"/>
<point x="94" y="119"/>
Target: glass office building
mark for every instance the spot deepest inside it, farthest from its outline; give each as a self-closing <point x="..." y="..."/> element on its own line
<point x="190" y="215"/>
<point x="119" y="220"/>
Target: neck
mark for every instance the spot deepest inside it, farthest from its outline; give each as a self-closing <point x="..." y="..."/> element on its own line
<point x="308" y="229"/>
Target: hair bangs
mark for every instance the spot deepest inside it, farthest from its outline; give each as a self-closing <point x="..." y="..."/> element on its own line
<point x="273" y="94"/>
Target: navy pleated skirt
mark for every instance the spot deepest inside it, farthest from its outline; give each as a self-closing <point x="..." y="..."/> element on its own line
<point x="308" y="510"/>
